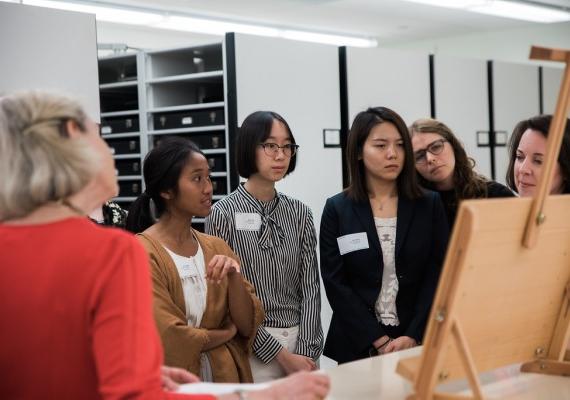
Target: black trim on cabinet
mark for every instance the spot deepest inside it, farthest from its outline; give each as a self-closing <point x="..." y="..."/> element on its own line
<point x="231" y="105"/>
<point x="344" y="123"/>
<point x="432" y="85"/>
<point x="491" y="116"/>
<point x="540" y="91"/>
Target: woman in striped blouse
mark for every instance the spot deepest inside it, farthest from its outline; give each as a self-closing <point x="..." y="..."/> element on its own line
<point x="274" y="235"/>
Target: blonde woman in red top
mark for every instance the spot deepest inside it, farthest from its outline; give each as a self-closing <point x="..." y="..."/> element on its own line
<point x="75" y="297"/>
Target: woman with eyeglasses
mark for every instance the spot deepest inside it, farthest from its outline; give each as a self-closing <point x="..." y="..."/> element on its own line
<point x="274" y="236"/>
<point x="382" y="244"/>
<point x="444" y="166"/>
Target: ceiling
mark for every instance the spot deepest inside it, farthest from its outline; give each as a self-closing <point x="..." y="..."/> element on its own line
<point x="389" y="21"/>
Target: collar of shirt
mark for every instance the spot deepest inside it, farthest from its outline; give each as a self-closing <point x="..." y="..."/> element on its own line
<point x="271" y="234"/>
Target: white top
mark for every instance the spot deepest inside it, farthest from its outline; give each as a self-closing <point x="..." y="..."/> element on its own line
<point x="386" y="311"/>
<point x="192" y="271"/>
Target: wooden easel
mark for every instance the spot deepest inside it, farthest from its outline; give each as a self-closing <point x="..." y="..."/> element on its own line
<point x="504" y="293"/>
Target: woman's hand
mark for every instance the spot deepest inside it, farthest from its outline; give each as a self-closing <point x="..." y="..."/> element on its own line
<point x="291" y="362"/>
<point x="400" y="343"/>
<point x="221" y="266"/>
<point x="172" y="376"/>
<point x="299" y="386"/>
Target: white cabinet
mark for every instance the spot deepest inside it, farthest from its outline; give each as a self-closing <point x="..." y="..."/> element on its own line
<point x="148" y="96"/>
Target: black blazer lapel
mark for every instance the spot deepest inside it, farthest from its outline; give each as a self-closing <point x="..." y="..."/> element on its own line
<point x="405" y="214"/>
<point x="364" y="215"/>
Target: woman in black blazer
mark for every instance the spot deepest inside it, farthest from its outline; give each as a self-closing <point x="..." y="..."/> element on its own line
<point x="382" y="244"/>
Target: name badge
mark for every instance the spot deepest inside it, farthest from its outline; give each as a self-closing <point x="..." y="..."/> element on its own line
<point x="248" y="221"/>
<point x="352" y="242"/>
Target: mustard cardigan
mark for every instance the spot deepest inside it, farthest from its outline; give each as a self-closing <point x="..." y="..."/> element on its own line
<point x="182" y="343"/>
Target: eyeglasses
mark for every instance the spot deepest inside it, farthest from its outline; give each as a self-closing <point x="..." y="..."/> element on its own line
<point x="434" y="148"/>
<point x="272" y="149"/>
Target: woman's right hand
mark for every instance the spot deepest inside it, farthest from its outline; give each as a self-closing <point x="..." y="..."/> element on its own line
<point x="291" y="362"/>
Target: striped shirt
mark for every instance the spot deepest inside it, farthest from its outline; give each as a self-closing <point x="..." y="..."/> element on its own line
<point x="276" y="242"/>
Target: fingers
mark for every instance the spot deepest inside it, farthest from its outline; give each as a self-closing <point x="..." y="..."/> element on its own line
<point x="167" y="382"/>
<point x="219" y="267"/>
<point x="182" y="376"/>
<point x="312" y="365"/>
<point x="311" y="385"/>
<point x="390" y="347"/>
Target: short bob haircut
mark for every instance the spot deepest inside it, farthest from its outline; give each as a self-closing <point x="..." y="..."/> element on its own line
<point x="256" y="128"/>
<point x="468" y="184"/>
<point x="362" y="125"/>
<point x="162" y="168"/>
<point x="540" y="123"/>
<point x="39" y="163"/>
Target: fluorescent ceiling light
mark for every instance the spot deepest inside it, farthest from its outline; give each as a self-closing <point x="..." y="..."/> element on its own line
<point x="120" y="16"/>
<point x="505" y="8"/>
<point x="188" y="23"/>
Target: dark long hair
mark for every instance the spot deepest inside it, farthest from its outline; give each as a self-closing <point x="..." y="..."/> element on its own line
<point x="363" y="123"/>
<point x="161" y="170"/>
<point x="467" y="183"/>
<point x="254" y="130"/>
<point x="540" y="123"/>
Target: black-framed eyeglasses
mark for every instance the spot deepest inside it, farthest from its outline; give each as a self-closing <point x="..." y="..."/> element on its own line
<point x="434" y="148"/>
<point x="271" y="149"/>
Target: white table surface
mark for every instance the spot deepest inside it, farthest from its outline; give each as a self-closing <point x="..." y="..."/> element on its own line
<point x="376" y="379"/>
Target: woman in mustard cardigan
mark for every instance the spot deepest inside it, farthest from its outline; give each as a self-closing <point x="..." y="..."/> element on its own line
<point x="206" y="312"/>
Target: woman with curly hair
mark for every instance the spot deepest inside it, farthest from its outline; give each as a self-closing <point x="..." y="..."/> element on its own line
<point x="444" y="166"/>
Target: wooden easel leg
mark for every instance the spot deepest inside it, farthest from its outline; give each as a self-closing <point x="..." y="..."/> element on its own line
<point x="467" y="360"/>
<point x="561" y="338"/>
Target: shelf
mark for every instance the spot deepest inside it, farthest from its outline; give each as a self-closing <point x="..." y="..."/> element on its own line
<point x="118" y="68"/>
<point x="126" y="156"/>
<point x="119" y="113"/>
<point x="188" y="130"/>
<point x="120" y="135"/>
<point x="128" y="177"/>
<point x="115" y="85"/>
<point x="119" y="98"/>
<point x="204" y="76"/>
<point x="186" y="92"/>
<point x="179" y="89"/>
<point x="187" y="107"/>
<point x="214" y="151"/>
<point x="182" y="61"/>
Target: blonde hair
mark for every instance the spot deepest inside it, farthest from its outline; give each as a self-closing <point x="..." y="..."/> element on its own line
<point x="39" y="163"/>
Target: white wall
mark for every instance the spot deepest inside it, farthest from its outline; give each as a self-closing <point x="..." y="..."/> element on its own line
<point x="51" y="50"/>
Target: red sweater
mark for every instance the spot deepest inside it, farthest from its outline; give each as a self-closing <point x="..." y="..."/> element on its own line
<point x="76" y="315"/>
